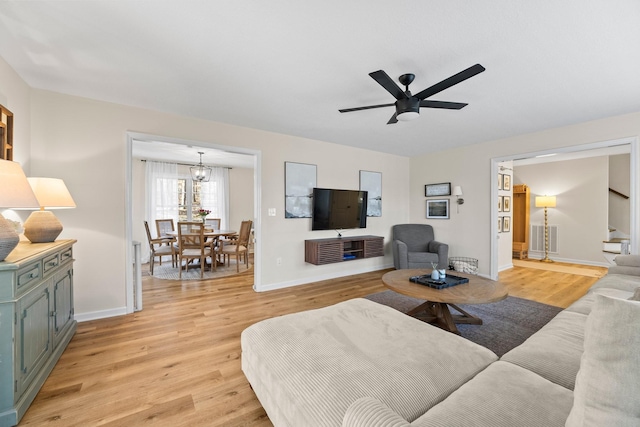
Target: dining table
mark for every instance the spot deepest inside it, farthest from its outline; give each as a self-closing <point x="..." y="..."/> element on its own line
<point x="209" y="234"/>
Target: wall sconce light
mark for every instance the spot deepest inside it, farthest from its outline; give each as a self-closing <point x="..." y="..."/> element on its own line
<point x="457" y="191"/>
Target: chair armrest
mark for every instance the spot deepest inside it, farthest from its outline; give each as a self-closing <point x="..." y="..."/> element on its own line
<point x="400" y="254"/>
<point x="442" y="249"/>
<point x="370" y="412"/>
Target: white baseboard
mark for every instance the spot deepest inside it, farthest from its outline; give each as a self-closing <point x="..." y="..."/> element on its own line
<point x="102" y="314"/>
<point x="334" y="275"/>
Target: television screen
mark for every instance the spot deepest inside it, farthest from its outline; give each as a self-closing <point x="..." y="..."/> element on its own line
<point x="339" y="209"/>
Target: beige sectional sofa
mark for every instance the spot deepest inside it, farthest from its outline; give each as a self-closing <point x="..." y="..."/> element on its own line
<point x="359" y="363"/>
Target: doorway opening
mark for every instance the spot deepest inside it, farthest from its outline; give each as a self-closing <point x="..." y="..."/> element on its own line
<point x="173" y="149"/>
<point x="629" y="145"/>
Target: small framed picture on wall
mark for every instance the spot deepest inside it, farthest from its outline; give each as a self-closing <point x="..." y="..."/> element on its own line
<point x="506" y="204"/>
<point x="506" y="182"/>
<point x="500" y="179"/>
<point x="500" y="203"/>
<point x="438" y="209"/>
<point x="506" y="224"/>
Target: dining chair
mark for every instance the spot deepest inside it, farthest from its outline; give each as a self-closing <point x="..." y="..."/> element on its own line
<point x="163" y="226"/>
<point x="238" y="246"/>
<point x="159" y="247"/>
<point x="192" y="244"/>
<point x="213" y="223"/>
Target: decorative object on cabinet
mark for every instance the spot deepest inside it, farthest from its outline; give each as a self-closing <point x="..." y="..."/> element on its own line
<point x="457" y="191"/>
<point x="200" y="172"/>
<point x="520" y="226"/>
<point x="546" y="202"/>
<point x="338" y="249"/>
<point x="42" y="226"/>
<point x="443" y="189"/>
<point x="299" y="182"/>
<point x="371" y="182"/>
<point x="438" y="209"/>
<point x="6" y="134"/>
<point x="16" y="193"/>
<point x="36" y="292"/>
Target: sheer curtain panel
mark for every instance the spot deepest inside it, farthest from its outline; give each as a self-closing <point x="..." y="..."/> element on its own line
<point x="215" y="196"/>
<point x="162" y="192"/>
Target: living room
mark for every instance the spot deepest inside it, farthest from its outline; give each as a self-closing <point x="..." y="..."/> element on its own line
<point x="68" y="131"/>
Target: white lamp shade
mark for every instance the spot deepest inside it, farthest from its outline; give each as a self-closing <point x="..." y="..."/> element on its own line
<point x="16" y="191"/>
<point x="545" y="201"/>
<point x="457" y="191"/>
<point x="51" y="193"/>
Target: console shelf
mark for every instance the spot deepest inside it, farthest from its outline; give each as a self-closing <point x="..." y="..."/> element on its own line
<point x="339" y="249"/>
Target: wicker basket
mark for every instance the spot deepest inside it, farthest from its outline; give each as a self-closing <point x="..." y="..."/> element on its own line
<point x="463" y="264"/>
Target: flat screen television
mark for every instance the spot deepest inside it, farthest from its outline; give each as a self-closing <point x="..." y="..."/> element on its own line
<point x="339" y="209"/>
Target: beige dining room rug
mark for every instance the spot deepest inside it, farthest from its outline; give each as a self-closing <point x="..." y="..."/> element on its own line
<point x="165" y="271"/>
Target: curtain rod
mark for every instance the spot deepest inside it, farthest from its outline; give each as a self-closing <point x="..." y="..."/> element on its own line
<point x="185" y="164"/>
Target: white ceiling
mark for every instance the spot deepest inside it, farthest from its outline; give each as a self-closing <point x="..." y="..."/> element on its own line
<point x="287" y="66"/>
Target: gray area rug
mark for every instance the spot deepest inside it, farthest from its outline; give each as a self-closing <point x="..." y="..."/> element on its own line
<point x="506" y="324"/>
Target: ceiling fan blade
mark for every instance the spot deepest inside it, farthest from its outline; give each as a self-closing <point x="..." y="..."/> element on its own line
<point x="393" y="119"/>
<point x="368" y="107"/>
<point x="453" y="80"/>
<point x="386" y="82"/>
<point x="443" y="104"/>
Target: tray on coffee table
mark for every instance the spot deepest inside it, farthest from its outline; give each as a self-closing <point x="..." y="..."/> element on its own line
<point x="448" y="281"/>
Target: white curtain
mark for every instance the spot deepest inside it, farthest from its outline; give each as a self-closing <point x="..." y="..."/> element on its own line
<point x="215" y="196"/>
<point x="162" y="192"/>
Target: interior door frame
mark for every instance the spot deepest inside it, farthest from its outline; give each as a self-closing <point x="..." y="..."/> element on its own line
<point x="135" y="304"/>
<point x="634" y="195"/>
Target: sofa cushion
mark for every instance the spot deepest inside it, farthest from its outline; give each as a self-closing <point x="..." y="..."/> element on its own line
<point x="307" y="368"/>
<point x="627" y="260"/>
<point x="422" y="258"/>
<point x="623" y="282"/>
<point x="370" y="412"/>
<point x="503" y="395"/>
<point x="608" y="383"/>
<point x="584" y="304"/>
<point x="636" y="295"/>
<point x="554" y="351"/>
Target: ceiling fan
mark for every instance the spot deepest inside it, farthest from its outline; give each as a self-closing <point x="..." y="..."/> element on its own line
<point x="408" y="105"/>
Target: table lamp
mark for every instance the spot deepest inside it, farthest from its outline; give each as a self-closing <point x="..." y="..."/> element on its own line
<point x="15" y="193"/>
<point x="546" y="202"/>
<point x="42" y="226"/>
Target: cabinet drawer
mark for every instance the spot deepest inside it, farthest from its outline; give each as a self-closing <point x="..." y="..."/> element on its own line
<point x="66" y="255"/>
<point x="29" y="275"/>
<point x="50" y="263"/>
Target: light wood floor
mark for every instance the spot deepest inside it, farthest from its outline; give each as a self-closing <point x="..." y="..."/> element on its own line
<point x="177" y="362"/>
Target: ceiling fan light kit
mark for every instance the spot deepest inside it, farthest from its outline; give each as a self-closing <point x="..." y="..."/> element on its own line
<point x="408" y="105"/>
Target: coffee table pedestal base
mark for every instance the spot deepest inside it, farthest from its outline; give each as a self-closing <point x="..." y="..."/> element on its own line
<point x="439" y="314"/>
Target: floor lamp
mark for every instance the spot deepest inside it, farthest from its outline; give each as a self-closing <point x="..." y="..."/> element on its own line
<point x="546" y="202"/>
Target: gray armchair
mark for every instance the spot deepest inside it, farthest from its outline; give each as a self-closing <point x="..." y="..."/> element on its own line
<point x="415" y="247"/>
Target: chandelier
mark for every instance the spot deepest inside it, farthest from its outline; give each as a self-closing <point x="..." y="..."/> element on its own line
<point x="200" y="172"/>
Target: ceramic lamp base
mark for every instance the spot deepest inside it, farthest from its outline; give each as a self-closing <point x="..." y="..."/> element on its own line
<point x="8" y="238"/>
<point x="42" y="227"/>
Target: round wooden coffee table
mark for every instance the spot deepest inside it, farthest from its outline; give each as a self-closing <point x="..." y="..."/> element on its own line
<point x="435" y="309"/>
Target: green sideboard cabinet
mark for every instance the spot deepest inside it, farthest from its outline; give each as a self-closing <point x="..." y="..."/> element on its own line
<point x="36" y="321"/>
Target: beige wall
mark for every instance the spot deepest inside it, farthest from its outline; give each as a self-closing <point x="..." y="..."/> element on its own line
<point x="240" y="196"/>
<point x="468" y="233"/>
<point x="84" y="142"/>
<point x="581" y="190"/>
